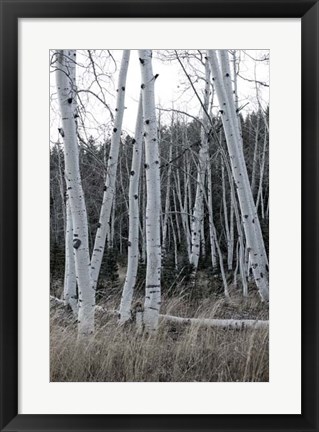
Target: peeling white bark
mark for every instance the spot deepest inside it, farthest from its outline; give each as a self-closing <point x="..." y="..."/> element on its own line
<point x="153" y="203"/>
<point x="65" y="74"/>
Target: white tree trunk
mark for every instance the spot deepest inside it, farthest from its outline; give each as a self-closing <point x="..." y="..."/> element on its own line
<point x="67" y="99"/>
<point x="112" y="222"/>
<point x="201" y="173"/>
<point x="202" y="238"/>
<point x="143" y="248"/>
<point x="253" y="175"/>
<point x="230" y="324"/>
<point x="227" y="228"/>
<point x="250" y="199"/>
<point x="254" y="239"/>
<point x="132" y="265"/>
<point x="168" y="191"/>
<point x="261" y="177"/>
<point x="109" y="188"/>
<point x="230" y="256"/>
<point x="212" y="234"/>
<point x="61" y="186"/>
<point x="153" y="204"/>
<point x="69" y="292"/>
<point x="237" y="265"/>
<point x="175" y="244"/>
<point x="235" y="91"/>
<point x="184" y="206"/>
<point x="177" y="216"/>
<point x="241" y="254"/>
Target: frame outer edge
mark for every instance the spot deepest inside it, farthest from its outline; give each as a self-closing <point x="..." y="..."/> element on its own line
<point x="9" y="420"/>
<point x="9" y="218"/>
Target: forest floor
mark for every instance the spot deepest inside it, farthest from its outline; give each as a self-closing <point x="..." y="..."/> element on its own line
<point x="177" y="353"/>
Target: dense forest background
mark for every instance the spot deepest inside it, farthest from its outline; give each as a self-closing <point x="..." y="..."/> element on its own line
<point x="179" y="147"/>
<point x="213" y="309"/>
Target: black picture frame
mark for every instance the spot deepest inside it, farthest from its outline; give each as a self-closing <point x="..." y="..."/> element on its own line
<point x="11" y="11"/>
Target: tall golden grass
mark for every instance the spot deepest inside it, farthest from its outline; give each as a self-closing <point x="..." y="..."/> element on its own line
<point x="176" y="353"/>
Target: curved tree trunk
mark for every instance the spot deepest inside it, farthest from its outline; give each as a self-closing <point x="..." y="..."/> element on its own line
<point x="254" y="239"/>
<point x="153" y="203"/>
<point x="132" y="265"/>
<point x="109" y="188"/>
<point x="65" y="75"/>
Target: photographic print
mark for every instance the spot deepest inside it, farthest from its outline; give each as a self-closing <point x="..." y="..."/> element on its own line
<point x="159" y="215"/>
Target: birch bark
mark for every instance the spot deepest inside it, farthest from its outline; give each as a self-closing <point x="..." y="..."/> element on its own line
<point x="109" y="188"/>
<point x="227" y="227"/>
<point x="132" y="265"/>
<point x="261" y="176"/>
<point x="67" y="100"/>
<point x="212" y="238"/>
<point x="153" y="198"/>
<point x="69" y="292"/>
<point x="255" y="243"/>
<point x="241" y="247"/>
<point x="201" y="174"/>
<point x="168" y="191"/>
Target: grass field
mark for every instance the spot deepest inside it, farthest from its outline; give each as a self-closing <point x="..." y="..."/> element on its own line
<point x="177" y="353"/>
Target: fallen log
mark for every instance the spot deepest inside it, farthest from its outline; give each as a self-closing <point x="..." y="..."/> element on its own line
<point x="206" y="322"/>
<point x="221" y="323"/>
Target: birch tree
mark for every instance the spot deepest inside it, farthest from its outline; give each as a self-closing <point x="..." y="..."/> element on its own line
<point x="153" y="198"/>
<point x="198" y="213"/>
<point x="134" y="222"/>
<point x="70" y="288"/>
<point x="69" y="285"/>
<point x="109" y="188"/>
<point x="69" y="292"/>
<point x="66" y="90"/>
<point x="212" y="231"/>
<point x="168" y="189"/>
<point x="250" y="221"/>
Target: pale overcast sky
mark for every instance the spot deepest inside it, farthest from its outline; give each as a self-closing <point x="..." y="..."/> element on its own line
<point x="170" y="88"/>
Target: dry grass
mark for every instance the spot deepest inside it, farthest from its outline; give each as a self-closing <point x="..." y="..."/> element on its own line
<point x="176" y="353"/>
